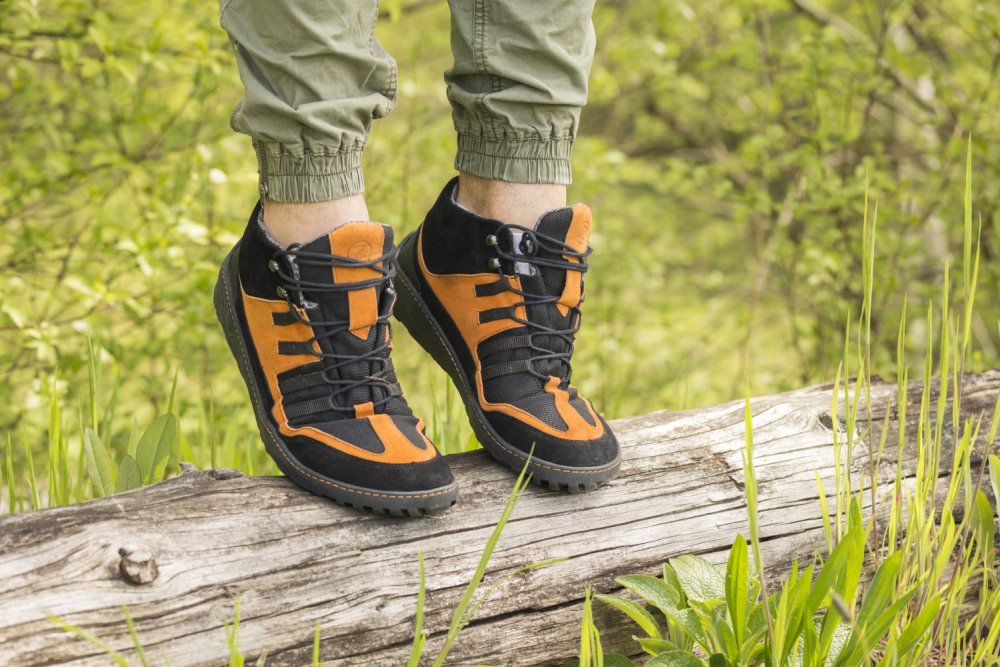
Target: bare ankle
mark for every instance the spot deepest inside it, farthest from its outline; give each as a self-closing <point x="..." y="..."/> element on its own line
<point x="301" y="222"/>
<point x="515" y="203"/>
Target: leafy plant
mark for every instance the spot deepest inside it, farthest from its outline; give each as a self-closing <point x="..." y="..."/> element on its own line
<point x="146" y="458"/>
<point x="821" y="615"/>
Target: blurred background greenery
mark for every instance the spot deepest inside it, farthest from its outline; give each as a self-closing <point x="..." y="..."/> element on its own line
<point x="725" y="152"/>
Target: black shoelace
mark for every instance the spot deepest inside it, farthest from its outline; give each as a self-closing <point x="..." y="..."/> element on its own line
<point x="378" y="355"/>
<point x="532" y="242"/>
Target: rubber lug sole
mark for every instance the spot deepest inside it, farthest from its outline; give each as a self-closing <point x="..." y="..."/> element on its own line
<point x="411" y="310"/>
<point x="417" y="503"/>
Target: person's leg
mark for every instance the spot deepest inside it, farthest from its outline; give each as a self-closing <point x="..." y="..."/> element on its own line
<point x="315" y="77"/>
<point x="492" y="282"/>
<point x="306" y="295"/>
<point x="517" y="86"/>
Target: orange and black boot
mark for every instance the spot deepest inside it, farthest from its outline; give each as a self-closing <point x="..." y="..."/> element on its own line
<point x="498" y="307"/>
<point x="309" y="328"/>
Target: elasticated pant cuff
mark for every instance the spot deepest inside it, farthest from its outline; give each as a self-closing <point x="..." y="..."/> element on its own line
<point x="514" y="161"/>
<point x="310" y="177"/>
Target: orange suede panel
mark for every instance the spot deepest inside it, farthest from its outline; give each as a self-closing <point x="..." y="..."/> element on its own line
<point x="576" y="238"/>
<point x="457" y="293"/>
<point x="265" y="335"/>
<point x="358" y="240"/>
<point x="364" y="410"/>
<point x="577" y="426"/>
<point x="394" y="439"/>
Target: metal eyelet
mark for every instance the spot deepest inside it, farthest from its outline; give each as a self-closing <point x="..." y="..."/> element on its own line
<point x="495" y="264"/>
<point x="273" y="265"/>
<point x="491" y="240"/>
<point x="281" y="292"/>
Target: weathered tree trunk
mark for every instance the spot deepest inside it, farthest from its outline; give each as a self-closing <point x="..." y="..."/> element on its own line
<point x="179" y="553"/>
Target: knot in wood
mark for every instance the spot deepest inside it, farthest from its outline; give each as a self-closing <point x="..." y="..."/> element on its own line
<point x="225" y="473"/>
<point x="137" y="565"/>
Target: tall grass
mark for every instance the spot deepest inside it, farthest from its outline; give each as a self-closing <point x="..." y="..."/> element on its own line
<point x="934" y="593"/>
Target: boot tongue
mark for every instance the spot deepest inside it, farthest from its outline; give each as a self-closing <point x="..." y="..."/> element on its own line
<point x="570" y="225"/>
<point x="364" y="241"/>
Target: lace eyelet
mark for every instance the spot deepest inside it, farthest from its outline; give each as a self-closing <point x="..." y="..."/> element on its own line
<point x="273" y="265"/>
<point x="491" y="240"/>
<point x="281" y="292"/>
<point x="494" y="264"/>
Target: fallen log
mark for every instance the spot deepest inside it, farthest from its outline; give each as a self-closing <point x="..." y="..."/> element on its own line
<point x="181" y="552"/>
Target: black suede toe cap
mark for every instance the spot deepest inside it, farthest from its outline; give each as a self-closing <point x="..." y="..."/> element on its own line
<point x="596" y="453"/>
<point x="394" y="478"/>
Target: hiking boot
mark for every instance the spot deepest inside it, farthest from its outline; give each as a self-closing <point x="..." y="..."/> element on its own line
<point x="309" y="329"/>
<point x="498" y="307"/>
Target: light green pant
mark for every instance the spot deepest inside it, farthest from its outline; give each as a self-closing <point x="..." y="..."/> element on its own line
<point x="315" y="77"/>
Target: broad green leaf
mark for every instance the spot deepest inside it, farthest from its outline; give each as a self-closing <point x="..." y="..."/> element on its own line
<point x="915" y="630"/>
<point x="737" y="587"/>
<point x="718" y="660"/>
<point x="795" y="616"/>
<point x="841" y="633"/>
<point x="880" y="593"/>
<point x="847" y="583"/>
<point x="675" y="659"/>
<point x="810" y="635"/>
<point x="636" y="612"/>
<point x="154" y="445"/>
<point x="864" y="636"/>
<point x="651" y="589"/>
<point x="610" y="660"/>
<point x="129" y="476"/>
<point x="98" y="463"/>
<point x="673" y="583"/>
<point x="723" y="632"/>
<point x="699" y="579"/>
<point x="688" y="622"/>
<point x="655" y="645"/>
<point x="982" y="522"/>
<point x="832" y="570"/>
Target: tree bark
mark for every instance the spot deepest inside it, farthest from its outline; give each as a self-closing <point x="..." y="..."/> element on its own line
<point x="181" y="552"/>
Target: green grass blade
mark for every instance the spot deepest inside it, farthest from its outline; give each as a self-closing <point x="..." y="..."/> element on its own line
<point x="88" y="637"/>
<point x="315" y="653"/>
<point x="135" y="636"/>
<point x="36" y="500"/>
<point x="459" y="616"/>
<point x="750" y="492"/>
<point x="635" y="611"/>
<point x="737" y="587"/>
<point x="417" y="648"/>
<point x="12" y="499"/>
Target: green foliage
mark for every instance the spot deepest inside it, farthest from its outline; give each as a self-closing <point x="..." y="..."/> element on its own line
<point x="468" y="605"/>
<point x="723" y="150"/>
<point x="913" y="609"/>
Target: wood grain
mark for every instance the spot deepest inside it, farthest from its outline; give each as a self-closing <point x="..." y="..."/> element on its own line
<point x="179" y="553"/>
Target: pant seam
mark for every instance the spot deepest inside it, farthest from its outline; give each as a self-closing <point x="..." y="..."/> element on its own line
<point x="518" y="138"/>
